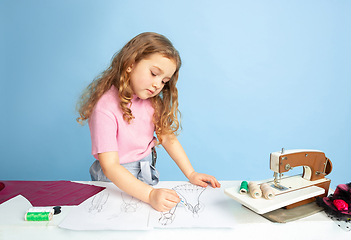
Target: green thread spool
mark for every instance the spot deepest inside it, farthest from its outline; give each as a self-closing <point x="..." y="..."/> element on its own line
<point x="38" y="216"/>
<point x="243" y="187"/>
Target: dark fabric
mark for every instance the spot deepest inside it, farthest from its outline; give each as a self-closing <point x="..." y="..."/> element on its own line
<point x="342" y="192"/>
<point x="48" y="193"/>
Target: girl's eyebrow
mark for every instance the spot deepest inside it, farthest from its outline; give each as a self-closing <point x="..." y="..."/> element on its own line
<point x="158" y="68"/>
<point x="161" y="71"/>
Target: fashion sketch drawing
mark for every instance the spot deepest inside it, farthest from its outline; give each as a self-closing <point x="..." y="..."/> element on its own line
<point x="190" y="197"/>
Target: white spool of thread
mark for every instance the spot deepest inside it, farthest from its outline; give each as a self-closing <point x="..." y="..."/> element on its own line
<point x="254" y="190"/>
<point x="267" y="191"/>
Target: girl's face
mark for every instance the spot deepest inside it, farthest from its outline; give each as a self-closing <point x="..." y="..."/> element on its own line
<point x="149" y="75"/>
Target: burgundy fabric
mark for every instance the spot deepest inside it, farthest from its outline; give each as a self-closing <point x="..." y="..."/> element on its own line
<point x="342" y="192"/>
<point x="48" y="193"/>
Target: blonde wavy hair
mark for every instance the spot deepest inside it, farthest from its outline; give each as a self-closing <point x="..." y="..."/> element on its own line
<point x="165" y="103"/>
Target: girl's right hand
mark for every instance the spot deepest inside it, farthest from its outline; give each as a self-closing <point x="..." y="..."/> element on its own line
<point x="163" y="199"/>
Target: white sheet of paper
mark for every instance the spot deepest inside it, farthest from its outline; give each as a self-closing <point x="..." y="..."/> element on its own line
<point x="113" y="209"/>
<point x="13" y="211"/>
<point x="205" y="208"/>
<point x="12" y="214"/>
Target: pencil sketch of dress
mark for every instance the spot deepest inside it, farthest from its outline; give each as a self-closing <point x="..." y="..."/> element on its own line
<point x="97" y="204"/>
<point x="190" y="195"/>
<point x="167" y="217"/>
<point x="129" y="205"/>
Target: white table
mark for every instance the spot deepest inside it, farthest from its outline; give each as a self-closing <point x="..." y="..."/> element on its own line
<point x="249" y="225"/>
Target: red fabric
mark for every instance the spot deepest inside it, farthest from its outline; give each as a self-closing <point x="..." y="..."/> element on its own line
<point x="48" y="193"/>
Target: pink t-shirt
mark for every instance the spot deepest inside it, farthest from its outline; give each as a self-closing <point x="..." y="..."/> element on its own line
<point x="110" y="132"/>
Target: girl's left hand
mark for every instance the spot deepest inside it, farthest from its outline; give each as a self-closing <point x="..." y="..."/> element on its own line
<point x="202" y="180"/>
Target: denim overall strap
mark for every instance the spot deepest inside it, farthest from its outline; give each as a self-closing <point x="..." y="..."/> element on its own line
<point x="148" y="173"/>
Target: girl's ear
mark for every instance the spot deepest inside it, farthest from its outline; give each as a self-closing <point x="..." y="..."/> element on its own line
<point x="129" y="69"/>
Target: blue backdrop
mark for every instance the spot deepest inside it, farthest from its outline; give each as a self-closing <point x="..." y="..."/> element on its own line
<point x="256" y="76"/>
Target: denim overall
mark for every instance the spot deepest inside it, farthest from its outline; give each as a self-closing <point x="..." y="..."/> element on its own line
<point x="143" y="169"/>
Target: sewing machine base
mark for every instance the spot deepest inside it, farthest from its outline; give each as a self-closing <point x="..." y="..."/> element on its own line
<point x="284" y="215"/>
<point x="324" y="184"/>
<point x="300" y="192"/>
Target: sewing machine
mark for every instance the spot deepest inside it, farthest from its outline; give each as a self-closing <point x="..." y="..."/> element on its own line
<point x="290" y="191"/>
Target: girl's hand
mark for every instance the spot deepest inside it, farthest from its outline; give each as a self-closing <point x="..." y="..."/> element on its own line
<point x="202" y="180"/>
<point x="163" y="199"/>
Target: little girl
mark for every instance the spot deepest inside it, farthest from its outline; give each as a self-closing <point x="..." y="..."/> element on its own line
<point x="135" y="97"/>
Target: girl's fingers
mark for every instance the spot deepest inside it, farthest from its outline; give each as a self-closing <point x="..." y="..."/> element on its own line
<point x="212" y="180"/>
<point x="172" y="196"/>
